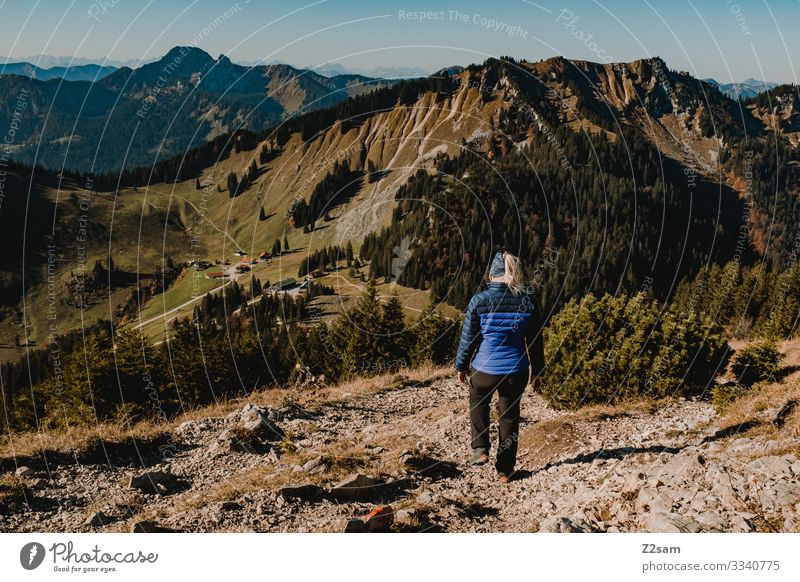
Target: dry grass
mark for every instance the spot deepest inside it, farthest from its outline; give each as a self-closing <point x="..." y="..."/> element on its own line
<point x="78" y="439"/>
<point x="770" y="406"/>
<point x="599" y="412"/>
<point x="343" y="458"/>
<point x="548" y="440"/>
<point x="12" y="490"/>
<point x="369" y="386"/>
<point x="772" y="409"/>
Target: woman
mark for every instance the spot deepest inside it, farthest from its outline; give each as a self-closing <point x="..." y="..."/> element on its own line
<point x="502" y="330"/>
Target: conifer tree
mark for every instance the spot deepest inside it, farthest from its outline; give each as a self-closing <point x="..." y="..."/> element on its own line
<point x="434" y="335"/>
<point x="233" y="184"/>
<point x="396" y="343"/>
<point x="348" y="253"/>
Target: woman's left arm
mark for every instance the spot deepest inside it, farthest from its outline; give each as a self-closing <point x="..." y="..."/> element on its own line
<point x="534" y="340"/>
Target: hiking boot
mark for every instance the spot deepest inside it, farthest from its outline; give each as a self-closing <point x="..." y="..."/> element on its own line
<point x="503" y="477"/>
<point x="479" y="457"/>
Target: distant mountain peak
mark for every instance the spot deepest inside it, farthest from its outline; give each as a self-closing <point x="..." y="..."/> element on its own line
<point x="186" y="56"/>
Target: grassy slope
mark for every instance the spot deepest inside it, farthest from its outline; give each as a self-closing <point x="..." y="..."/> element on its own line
<point x="142" y="226"/>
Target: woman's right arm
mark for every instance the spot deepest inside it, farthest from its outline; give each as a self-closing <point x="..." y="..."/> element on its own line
<point x="470" y="334"/>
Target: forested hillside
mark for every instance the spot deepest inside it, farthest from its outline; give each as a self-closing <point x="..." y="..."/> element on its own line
<point x="625" y="187"/>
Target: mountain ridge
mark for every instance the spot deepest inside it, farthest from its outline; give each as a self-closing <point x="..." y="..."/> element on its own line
<point x="88" y="72"/>
<point x="187" y="92"/>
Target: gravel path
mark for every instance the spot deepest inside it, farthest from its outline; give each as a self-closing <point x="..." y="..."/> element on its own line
<point x="648" y="467"/>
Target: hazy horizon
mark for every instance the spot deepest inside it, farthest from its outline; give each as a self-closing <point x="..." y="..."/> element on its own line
<point x="728" y="41"/>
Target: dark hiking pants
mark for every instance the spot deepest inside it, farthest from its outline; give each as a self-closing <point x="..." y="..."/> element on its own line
<point x="509" y="389"/>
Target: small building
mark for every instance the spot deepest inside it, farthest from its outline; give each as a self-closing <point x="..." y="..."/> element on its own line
<point x="201" y="265"/>
<point x="265" y="256"/>
<point x="284" y="284"/>
<point x="216" y="275"/>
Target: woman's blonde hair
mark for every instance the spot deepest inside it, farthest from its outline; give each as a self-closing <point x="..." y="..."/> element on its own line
<point x="513" y="273"/>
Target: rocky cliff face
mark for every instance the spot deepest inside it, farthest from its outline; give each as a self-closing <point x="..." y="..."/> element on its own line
<point x="673" y="110"/>
<point x="780" y="114"/>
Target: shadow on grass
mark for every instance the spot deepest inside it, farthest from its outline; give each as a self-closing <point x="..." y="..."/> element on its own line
<point x="131" y="452"/>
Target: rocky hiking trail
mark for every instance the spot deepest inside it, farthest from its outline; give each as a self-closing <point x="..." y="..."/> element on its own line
<point x="392" y="455"/>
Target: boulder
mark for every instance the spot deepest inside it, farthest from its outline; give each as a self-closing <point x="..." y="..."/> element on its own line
<point x="712" y="521"/>
<point x="650" y="499"/>
<point x="662" y="522"/>
<point x="561" y="524"/>
<point x="779" y="495"/>
<point x="406" y="514"/>
<point x="97" y="519"/>
<point x="23" y="472"/>
<point x="771" y="465"/>
<point x="313" y="464"/>
<point x="379" y="519"/>
<point x="633" y="482"/>
<point x="305" y="492"/>
<point x="229" y="441"/>
<point x="149" y="527"/>
<point x="261" y="422"/>
<point x="356" y="486"/>
<point x="740" y="523"/>
<point x="355" y="525"/>
<point x="151" y="481"/>
<point x="425" y="498"/>
<point x="407" y="457"/>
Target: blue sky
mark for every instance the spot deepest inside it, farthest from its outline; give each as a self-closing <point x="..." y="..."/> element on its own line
<point x="725" y="39"/>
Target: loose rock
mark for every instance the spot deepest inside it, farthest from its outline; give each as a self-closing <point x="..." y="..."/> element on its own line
<point x="356" y="486"/>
